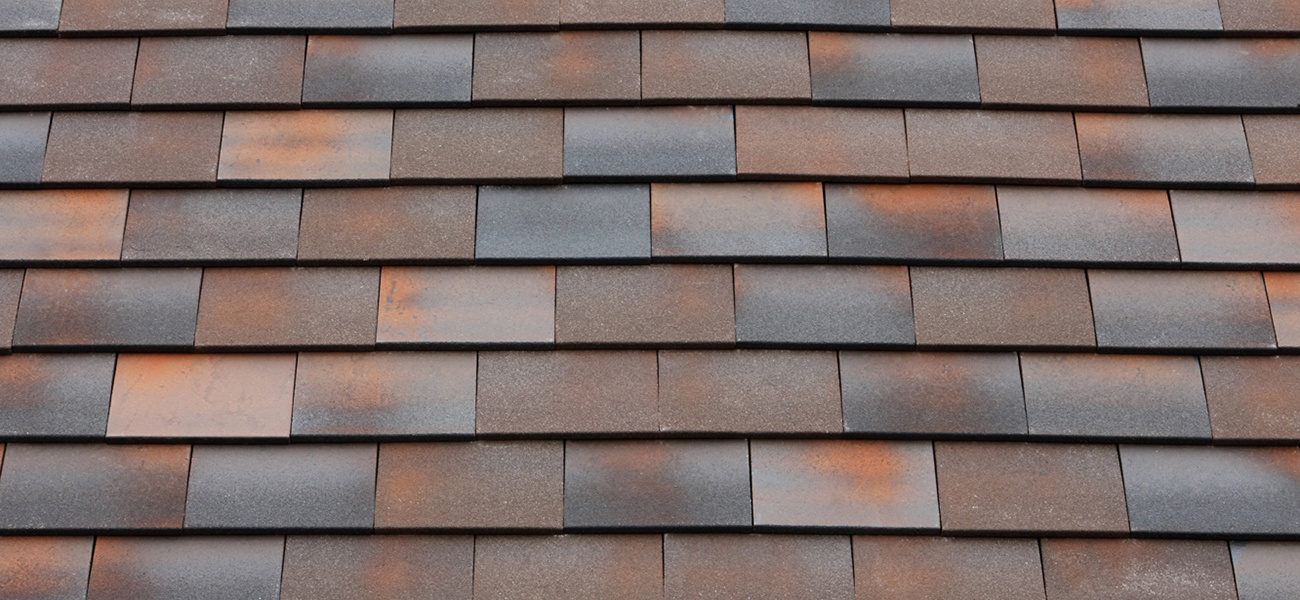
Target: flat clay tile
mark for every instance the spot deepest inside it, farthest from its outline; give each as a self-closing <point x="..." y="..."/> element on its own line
<point x="824" y="143"/>
<point x="133" y="148"/>
<point x="1164" y="150"/>
<point x="564" y="223"/>
<point x="22" y="147"/>
<point x="404" y="70"/>
<point x="370" y="16"/>
<point x="400" y="224"/>
<point x="108" y="308"/>
<point x="310" y="146"/>
<point x="121" y="17"/>
<point x="999" y="16"/>
<point x="844" y="485"/>
<point x="1061" y="71"/>
<point x="657" y="485"/>
<point x="1026" y="308"/>
<point x="939" y="568"/>
<point x="1265" y="570"/>
<point x="1008" y="488"/>
<point x="739" y="392"/>
<point x="724" y="66"/>
<point x="1212" y="491"/>
<point x="45" y="567"/>
<point x="379" y="567"/>
<point x="1274" y="153"/>
<point x="235" y="71"/>
<point x="226" y="396"/>
<point x="569" y="393"/>
<point x="62" y="225"/>
<point x="1080" y="569"/>
<point x="474" y="15"/>
<point x="199" y="568"/>
<point x="1137" y="16"/>
<point x="1114" y="396"/>
<point x="456" y="306"/>
<point x="660" y="306"/>
<point x="1181" y="310"/>
<point x="64" y="487"/>
<point x="1253" y="399"/>
<point x="1087" y="225"/>
<point x="570" y="67"/>
<point x="11" y="287"/>
<point x="1201" y="74"/>
<point x="916" y="221"/>
<point x="645" y="14"/>
<point x="796" y="567"/>
<point x="1237" y="228"/>
<point x="63" y="396"/>
<point x="823" y="306"/>
<point x="1284" y="304"/>
<point x="212" y="226"/>
<point x="932" y="394"/>
<point x="893" y="69"/>
<point x="30" y="17"/>
<point x="66" y="73"/>
<point x="726" y="221"/>
<point x="1261" y="17"/>
<point x="481" y="145"/>
<point x="991" y="145"/>
<point x="277" y="307"/>
<point x="384" y="394"/>
<point x="578" y="567"/>
<point x="838" y="14"/>
<point x="696" y="143"/>
<point x="481" y="486"/>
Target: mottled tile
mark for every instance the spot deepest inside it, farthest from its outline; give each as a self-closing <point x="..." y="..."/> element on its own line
<point x="62" y="225"/>
<point x="319" y="15"/>
<point x="1266" y="570"/>
<point x="916" y="221"/>
<point x="89" y="309"/>
<point x="580" y="567"/>
<point x="388" y="71"/>
<point x="795" y="567"/>
<point x="379" y="567"/>
<point x="1217" y="74"/>
<point x="992" y="146"/>
<point x="1061" y="71"/>
<point x="453" y="306"/>
<point x="660" y="306"/>
<point x="823" y="143"/>
<point x="939" y="568"/>
<point x="979" y="308"/>
<point x="712" y="67"/>
<point x="44" y="567"/>
<point x="1274" y="153"/>
<point x="563" y="67"/>
<point x="475" y="15"/>
<point x="566" y="223"/>
<point x="893" y="69"/>
<point x="212" y="226"/>
<point x="737" y="221"/>
<point x="63" y="396"/>
<point x="1137" y="16"/>
<point x="1284" y="304"/>
<point x="1002" y="16"/>
<point x="1253" y="399"/>
<point x="66" y="73"/>
<point x="1237" y="228"/>
<point x="22" y="147"/>
<point x="679" y="143"/>
<point x="1173" y="310"/>
<point x="120" y="17"/>
<point x="237" y="71"/>
<point x="310" y="146"/>
<point x="200" y="568"/>
<point x="279" y="307"/>
<point x="392" y="225"/>
<point x="133" y="148"/>
<point x="1087" y="225"/>
<point x="644" y="14"/>
<point x="1164" y="150"/>
<point x="839" y="306"/>
<point x="480" y="145"/>
<point x="1079" y="569"/>
<point x="836" y="14"/>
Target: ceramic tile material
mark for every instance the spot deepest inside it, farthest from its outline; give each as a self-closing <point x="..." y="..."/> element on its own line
<point x="28" y="17"/>
<point x="823" y="143"/>
<point x="391" y="567"/>
<point x="310" y="146"/>
<point x="1181" y="309"/>
<point x="838" y="14"/>
<point x="737" y="221"/>
<point x="1083" y="225"/>
<point x="22" y="148"/>
<point x="582" y="567"/>
<point x="696" y="143"/>
<point x="978" y="15"/>
<point x="1092" y="17"/>
<point x="393" y="225"/>
<point x="69" y="226"/>
<point x="482" y="145"/>
<point x="67" y="73"/>
<point x="658" y="306"/>
<point x="202" y="568"/>
<point x="916" y="221"/>
<point x="1205" y="74"/>
<point x="756" y="566"/>
<point x="1266" y="570"/>
<point x="320" y="15"/>
<point x="45" y="567"/>
<point x="406" y="70"/>
<point x="89" y="309"/>
<point x="1262" y="17"/>
<point x="457" y="306"/>
<point x="645" y="14"/>
<point x="1237" y="228"/>
<point x="935" y="568"/>
<point x="983" y="308"/>
<point x="1164" y="150"/>
<point x="219" y="72"/>
<point x="837" y="306"/>
<point x="1061" y="71"/>
<point x="566" y="223"/>
<point x="963" y="146"/>
<point x="212" y="226"/>
<point x="1284" y="303"/>
<point x="294" y="307"/>
<point x="133" y="148"/>
<point x="1081" y="569"/>
<point x="1273" y="152"/>
<point x="565" y="67"/>
<point x="474" y="15"/>
<point x="11" y="286"/>
<point x="120" y="17"/>
<point x="705" y="67"/>
<point x="54" y="396"/>
<point x="1253" y="399"/>
<point x="893" y="69"/>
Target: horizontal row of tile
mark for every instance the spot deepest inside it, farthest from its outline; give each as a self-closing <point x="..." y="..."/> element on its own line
<point x="642" y="567"/>
<point x="628" y="67"/>
<point x="678" y="143"/>
<point x="917" y="486"/>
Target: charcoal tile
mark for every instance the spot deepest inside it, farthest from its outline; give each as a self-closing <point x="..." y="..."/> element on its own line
<point x="1284" y="304"/>
<point x="482" y="486"/>
<point x="1265" y="570"/>
<point x="645" y="14"/>
<point x="380" y="567"/>
<point x="1240" y="228"/>
<point x="288" y="307"/>
<point x="30" y="17"/>
<point x="320" y="15"/>
<point x="1199" y="74"/>
<point x="66" y="73"/>
<point x="133" y="148"/>
<point x="45" y="567"/>
<point x="1173" y="310"/>
<point x="737" y="221"/>
<point x="680" y="142"/>
<point x="1079" y="569"/>
<point x="798" y="567"/>
<point x="237" y="71"/>
<point x="475" y="15"/>
<point x="656" y="485"/>
<point x="384" y="394"/>
<point x="1274" y="155"/>
<point x="935" y="568"/>
<point x="1253" y="399"/>
<point x="62" y="225"/>
<point x="569" y="67"/>
<point x="212" y="226"/>
<point x="1260" y="17"/>
<point x="201" y="568"/>
<point x="11" y="287"/>
<point x="1083" y="225"/>
<point x="1006" y="488"/>
<point x="429" y="224"/>
<point x="22" y="147"/>
<point x="724" y="66"/>
<point x="1134" y="16"/>
<point x="1061" y="71"/>
<point x="481" y="145"/>
<point x="994" y="146"/>
<point x="912" y="69"/>
<point x="61" y="396"/>
<point x="309" y="146"/>
<point x="1164" y="150"/>
<point x="581" y="567"/>
<point x="1001" y="16"/>
<point x="403" y="70"/>
<point x="50" y="488"/>
<point x="214" y="396"/>
<point x="89" y="309"/>
<point x="824" y="143"/>
<point x="565" y="223"/>
<point x="840" y="306"/>
<point x="455" y="306"/>
<point x="660" y="306"/>
<point x="833" y="14"/>
<point x="1028" y="308"/>
<point x="917" y="221"/>
<point x="121" y="17"/>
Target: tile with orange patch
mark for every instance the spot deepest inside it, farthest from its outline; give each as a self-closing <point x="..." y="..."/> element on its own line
<point x="133" y="149"/>
<point x="569" y="67"/>
<point x="200" y="568"/>
<point x="308" y="146"/>
<point x="1061" y="71"/>
<point x="644" y="13"/>
<point x="994" y="16"/>
<point x="237" y="71"/>
<point x="45" y="567"/>
<point x="75" y="226"/>
<point x="580" y="567"/>
<point x="737" y="221"/>
<point x="712" y="67"/>
<point x="829" y="306"/>
<point x="1079" y="569"/>
<point x="122" y="17"/>
<point x="1237" y="228"/>
<point x="1173" y="310"/>
<point x="795" y="567"/>
<point x="823" y="143"/>
<point x="67" y="73"/>
<point x="467" y="306"/>
<point x="288" y="307"/>
<point x="1206" y="75"/>
<point x="475" y="15"/>
<point x="917" y="221"/>
<point x="1284" y="304"/>
<point x="990" y="308"/>
<point x="1086" y="225"/>
<point x="22" y="147"/>
<point x="1253" y="399"/>
<point x="61" y="396"/>
<point x="938" y="568"/>
<point x="1164" y="150"/>
<point x="965" y="146"/>
<point x="393" y="225"/>
<point x="1260" y="17"/>
<point x="1274" y="154"/>
<point x="87" y="309"/>
<point x="658" y="306"/>
<point x="388" y="567"/>
<point x="893" y="69"/>
<point x="480" y="145"/>
<point x="388" y="71"/>
<point x="1129" y="17"/>
<point x="224" y="227"/>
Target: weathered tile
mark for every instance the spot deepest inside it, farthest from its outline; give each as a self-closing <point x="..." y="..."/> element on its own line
<point x="45" y="567"/>
<point x="11" y="287"/>
<point x="910" y="69"/>
<point x="742" y="392"/>
<point x="1274" y="155"/>
<point x="480" y="145"/>
<point x="63" y="487"/>
<point x="938" y="568"/>
<point x="1006" y="488"/>
<point x="345" y="146"/>
<point x="236" y="71"/>
<point x="67" y="73"/>
<point x="319" y="15"/>
<point x="1260" y="17"/>
<point x="993" y="146"/>
<point x="212" y="226"/>
<point x="839" y="306"/>
<point x="569" y="67"/>
<point x="1080" y="569"/>
<point x="133" y="148"/>
<point x="380" y="567"/>
<point x="1164" y="150"/>
<point x="1266" y="570"/>
<point x="657" y="485"/>
<point x="197" y="567"/>
<point x="108" y="308"/>
<point x="279" y="307"/>
<point x="796" y="567"/>
<point x="213" y="396"/>
<point x="62" y="225"/>
<point x="1061" y="71"/>
<point x="453" y="306"/>
<point x="1002" y="16"/>
<point x="680" y="142"/>
<point x="1027" y="308"/>
<point x="1253" y="399"/>
<point x="645" y="14"/>
<point x="1199" y="74"/>
<point x="660" y="306"/>
<point x="1237" y="228"/>
<point x="1173" y="310"/>
<point x="62" y="396"/>
<point x="724" y="66"/>
<point x="836" y="14"/>
<point x="1132" y="16"/>
<point x="501" y="486"/>
<point x="30" y="17"/>
<point x="823" y="143"/>
<point x="569" y="393"/>
<point x="384" y="394"/>
<point x="22" y="147"/>
<point x="475" y="15"/>
<point x="121" y="17"/>
<point x="401" y="70"/>
<point x="1284" y="304"/>
<point x="726" y="221"/>
<point x="400" y="224"/>
<point x="1086" y="225"/>
<point x="916" y="221"/>
<point x="565" y="223"/>
<point x="580" y="567"/>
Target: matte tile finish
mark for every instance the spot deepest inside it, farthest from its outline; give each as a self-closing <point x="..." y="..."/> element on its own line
<point x="388" y="70"/>
<point x="45" y="567"/>
<point x="482" y="145"/>
<point x="1253" y="399"/>
<point x="467" y="305"/>
<point x="581" y="567"/>
<point x="1274" y="155"/>
<point x="1087" y="225"/>
<point x="737" y="220"/>
<point x="1266" y="570"/>
<point x="849" y="14"/>
<point x="823" y="305"/>
<point x="219" y="71"/>
<point x="657" y="305"/>
<point x="133" y="148"/>
<point x="343" y="15"/>
<point x="29" y="16"/>
<point x="22" y="147"/>
<point x="328" y="307"/>
<point x="935" y="568"/>
<point x="108" y="308"/>
<point x="154" y="16"/>
<point x="826" y="143"/>
<point x="1237" y="227"/>
<point x="570" y="67"/>
<point x="724" y="66"/>
<point x="389" y="567"/>
<point x="1164" y="150"/>
<point x="648" y="13"/>
<point x="62" y="225"/>
<point x="54" y="395"/>
<point x="226" y="226"/>
<point x="987" y="145"/>
<point x="66" y="73"/>
<point x="944" y="222"/>
<point x="202" y="568"/>
<point x="1284" y="304"/>
<point x="11" y="287"/>
<point x="1127" y="16"/>
<point x="1219" y="73"/>
<point x="757" y="566"/>
<point x="1061" y="71"/>
<point x="1161" y="569"/>
<point x="1028" y="308"/>
<point x="978" y="15"/>
<point x="567" y="223"/>
<point x="912" y="69"/>
<point x="1259" y="16"/>
<point x="1180" y="310"/>
<point x="680" y="142"/>
<point x="391" y="225"/>
<point x="474" y="15"/>
<point x="306" y="146"/>
<point x="567" y="393"/>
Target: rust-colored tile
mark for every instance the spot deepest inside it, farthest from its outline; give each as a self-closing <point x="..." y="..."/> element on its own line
<point x="162" y="396"/>
<point x="195" y="567"/>
<point x="378" y="567"/>
<point x="62" y="225"/>
<point x="133" y="148"/>
<point x="994" y="146"/>
<point x="1274" y="153"/>
<point x="979" y="308"/>
<point x="974" y="15"/>
<point x="482" y="486"/>
<point x="834" y="306"/>
<point x="388" y="70"/>
<point x="659" y="306"/>
<point x="52" y="395"/>
<point x="475" y="15"/>
<point x="428" y="224"/>
<point x="893" y="68"/>
<point x="569" y="67"/>
<point x="480" y="145"/>
<point x="645" y="13"/>
<point x="88" y="309"/>
<point x="734" y="221"/>
<point x="1127" y="17"/>
<point x="1284" y="304"/>
<point x="236" y="71"/>
<point x="739" y="392"/>
<point x="11" y="287"/>
<point x="1164" y="150"/>
<point x="1253" y="399"/>
<point x="207" y="226"/>
<point x="724" y="66"/>
<point x="794" y="567"/>
<point x="917" y="221"/>
<point x="823" y="143"/>
<point x="122" y="17"/>
<point x="940" y="568"/>
<point x="277" y="307"/>
<point x="346" y="146"/>
<point x="1080" y="569"/>
<point x="1175" y="310"/>
<point x="44" y="567"/>
<point x="1061" y="71"/>
<point x="455" y="306"/>
<point x="1260" y="17"/>
<point x="1237" y="228"/>
<point x="579" y="567"/>
<point x="1043" y="224"/>
<point x="66" y="73"/>
<point x="1266" y="570"/>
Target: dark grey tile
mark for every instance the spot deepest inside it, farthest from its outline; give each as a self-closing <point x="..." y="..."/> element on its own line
<point x="29" y="17"/>
<point x="823" y="306"/>
<point x="564" y="223"/>
<point x="398" y="70"/>
<point x="11" y="287"/>
<point x="1266" y="570"/>
<point x="212" y="226"/>
<point x="317" y="15"/>
<point x="679" y="142"/>
<point x="1132" y="16"/>
<point x="1153" y="150"/>
<point x="822" y="14"/>
<point x="22" y="147"/>
<point x="55" y="395"/>
<point x="913" y="221"/>
<point x="1198" y="74"/>
<point x="196" y="568"/>
<point x="893" y="69"/>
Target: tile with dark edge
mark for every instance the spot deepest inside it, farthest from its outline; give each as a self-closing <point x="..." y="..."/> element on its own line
<point x="55" y="396"/>
<point x="1008" y="488"/>
<point x="737" y="221"/>
<point x="89" y="309"/>
<point x="1284" y="304"/>
<point x="288" y="307"/>
<point x="657" y="306"/>
<point x="1087" y="225"/>
<point x="52" y="488"/>
<point x="795" y="567"/>
<point x="133" y="149"/>
<point x="471" y="486"/>
<point x="560" y="224"/>
<point x="29" y="17"/>
<point x="1031" y="309"/>
<point x="712" y="67"/>
<point x="1081" y="569"/>
<point x="1237" y="228"/>
<point x="1253" y="399"/>
<point x="198" y="568"/>
<point x="579" y="567"/>
<point x="122" y="17"/>
<point x="1164" y="150"/>
<point x="307" y="147"/>
<point x="475" y="15"/>
<point x="236" y="71"/>
<point x="388" y="71"/>
<point x="392" y="225"/>
<point x="650" y="14"/>
<point x="479" y="145"/>
<point x="993" y="16"/>
<point x="685" y="143"/>
<point x="379" y="567"/>
<point x="823" y="143"/>
<point x="1266" y="570"/>
<point x="1061" y="72"/>
<point x="836" y="306"/>
<point x="22" y="148"/>
<point x="11" y="287"/>
<point x="358" y="16"/>
<point x="1222" y="74"/>
<point x="68" y="226"/>
<point x="467" y="306"/>
<point x="212" y="226"/>
<point x="1184" y="17"/>
<point x="1274" y="153"/>
<point x="45" y="567"/>
<point x="938" y="568"/>
<point x="1260" y="17"/>
<point x="965" y="146"/>
<point x="564" y="67"/>
<point x="916" y="221"/>
<point x="893" y="69"/>
<point x="866" y="15"/>
<point x="66" y="73"/>
<point x="657" y="485"/>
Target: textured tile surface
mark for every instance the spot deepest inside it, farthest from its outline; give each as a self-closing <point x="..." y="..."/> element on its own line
<point x="1130" y="16"/>
<point x="108" y="308"/>
<point x="1284" y="304"/>
<point x="1222" y="73"/>
<point x="825" y="143"/>
<point x="725" y="221"/>
<point x="133" y="148"/>
<point x="1086" y="225"/>
<point x="1266" y="570"/>
<point x="1061" y="71"/>
<point x="658" y="305"/>
<point x="22" y="147"/>
<point x="1259" y="16"/>
<point x="567" y="393"/>
<point x="474" y="14"/>
<point x="219" y="71"/>
<point x="1253" y="398"/>
<point x="1237" y="227"/>
<point x="388" y="70"/>
<point x="30" y="16"/>
<point x="1027" y="308"/>
<point x="390" y="225"/>
<point x="54" y="395"/>
<point x="280" y="15"/>
<point x="566" y="223"/>
<point x="978" y="15"/>
<point x="11" y="286"/>
<point x="45" y="567"/>
<point x="724" y="66"/>
<point x="67" y="73"/>
<point x="1162" y="569"/>
<point x="482" y="145"/>
<point x="389" y="567"/>
<point x="268" y="307"/>
<point x="936" y="568"/>
<point x="1274" y="155"/>
<point x="757" y="566"/>
<point x="679" y="142"/>
<point x="1163" y="150"/>
<point x="581" y="567"/>
<point x="1188" y="309"/>
<point x="154" y="16"/>
<point x="869" y="14"/>
<point x="916" y="221"/>
<point x="202" y="568"/>
<point x="62" y="225"/>
<point x="211" y="226"/>
<point x="467" y="305"/>
<point x="824" y="305"/>
<point x="987" y="145"/>
<point x="306" y="146"/>
<point x="648" y="13"/>
<point x="570" y="67"/>
<point x="914" y="69"/>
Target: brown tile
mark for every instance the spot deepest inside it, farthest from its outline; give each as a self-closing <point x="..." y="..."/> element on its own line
<point x="1237" y="228"/>
<point x="195" y="567"/>
<point x="741" y="392"/>
<point x="428" y="224"/>
<point x="133" y="148"/>
<point x="1164" y="150"/>
<point x="45" y="567"/>
<point x="456" y="306"/>
<point x="1260" y="17"/>
<point x="1006" y="488"/>
<point x="207" y="226"/>
<point x="938" y="568"/>
<point x="1088" y="225"/>
<point x="480" y="145"/>
<point x="276" y="307"/>
<point x="1126" y="17"/>
<point x="62" y="225"/>
<point x="1077" y="569"/>
<point x="237" y="71"/>
<point x="1265" y="570"/>
<point x="122" y="17"/>
<point x="1274" y="154"/>
<point x="67" y="73"/>
<point x="646" y="14"/>
<point x="1177" y="310"/>
<point x="87" y="309"/>
<point x="659" y="306"/>
<point x="917" y="221"/>
<point x="994" y="146"/>
<point x="349" y="146"/>
<point x="1253" y="399"/>
<point x="724" y="66"/>
<point x="162" y="396"/>
<point x="824" y="143"/>
<point x="379" y="567"/>
<point x="726" y="221"/>
<point x="1284" y="304"/>
<point x="827" y="306"/>
<point x="11" y="287"/>
<point x="795" y="567"/>
<point x="474" y="15"/>
<point x="54" y="395"/>
<point x="569" y="67"/>
<point x="1060" y="71"/>
<point x="974" y="15"/>
<point x="580" y="567"/>
<point x="569" y="393"/>
<point x="893" y="68"/>
<point x="1027" y="308"/>
<point x="482" y="486"/>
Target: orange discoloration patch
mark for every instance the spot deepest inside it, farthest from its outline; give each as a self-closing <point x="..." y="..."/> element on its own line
<point x="45" y="566"/>
<point x="306" y="145"/>
<point x="62" y="224"/>
<point x="467" y="305"/>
